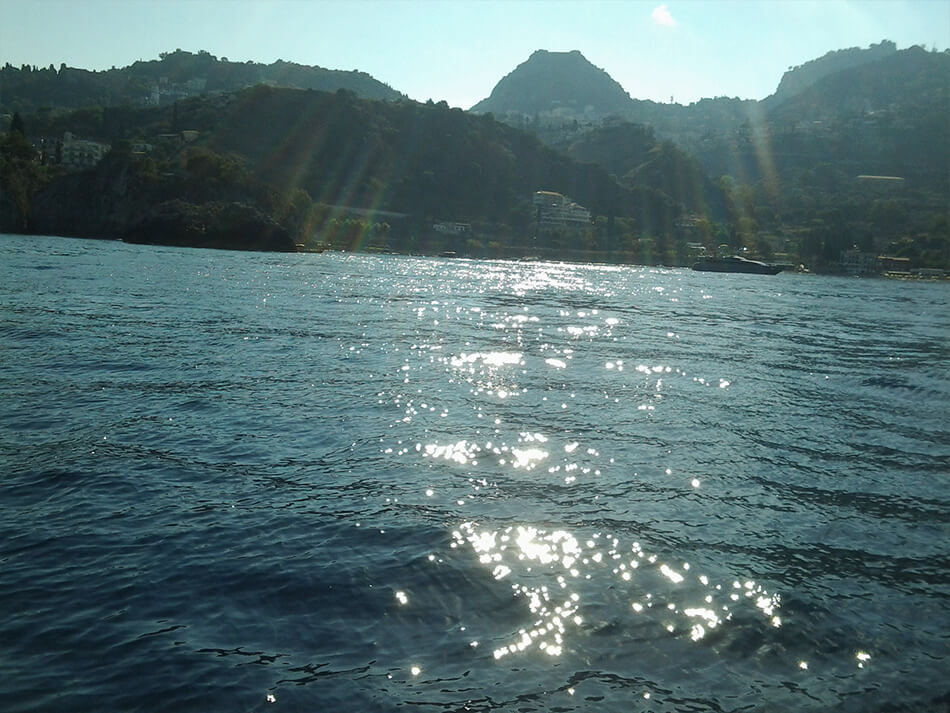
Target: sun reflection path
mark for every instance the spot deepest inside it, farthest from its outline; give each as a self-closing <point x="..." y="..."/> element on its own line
<point x="529" y="545"/>
<point x="551" y="569"/>
<point x="480" y="422"/>
<point x="535" y="366"/>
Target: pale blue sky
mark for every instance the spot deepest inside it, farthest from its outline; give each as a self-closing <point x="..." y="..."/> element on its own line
<point x="458" y="50"/>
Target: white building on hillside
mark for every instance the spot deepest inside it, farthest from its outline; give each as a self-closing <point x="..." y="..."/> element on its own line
<point x="78" y="154"/>
<point x="555" y="210"/>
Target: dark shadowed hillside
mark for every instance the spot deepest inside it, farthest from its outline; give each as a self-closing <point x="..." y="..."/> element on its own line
<point x="555" y="81"/>
<point x="558" y="94"/>
<point x="301" y="157"/>
<point x="860" y="158"/>
<point x="854" y="156"/>
<point x="427" y="160"/>
<point x="174" y="76"/>
<point x="632" y="153"/>
<point x="797" y="79"/>
<point x="903" y="85"/>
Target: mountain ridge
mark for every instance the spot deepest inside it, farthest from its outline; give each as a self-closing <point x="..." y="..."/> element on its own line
<point x="792" y="180"/>
<point x="799" y="79"/>
<point x="171" y="77"/>
<point x="549" y="81"/>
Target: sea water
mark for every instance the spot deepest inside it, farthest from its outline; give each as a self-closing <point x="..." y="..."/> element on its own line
<point x="341" y="482"/>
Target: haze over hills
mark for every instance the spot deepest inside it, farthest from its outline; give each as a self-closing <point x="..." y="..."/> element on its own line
<point x="908" y="81"/>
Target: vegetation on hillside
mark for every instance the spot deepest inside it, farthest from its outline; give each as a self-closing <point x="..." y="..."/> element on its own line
<point x="800" y="78"/>
<point x="340" y="158"/>
<point x="175" y="75"/>
<point x="21" y="177"/>
<point x="556" y="80"/>
<point x="780" y="178"/>
<point x="334" y="169"/>
<point x="804" y="173"/>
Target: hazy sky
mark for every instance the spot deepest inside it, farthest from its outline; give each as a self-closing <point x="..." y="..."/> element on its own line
<point x="458" y="50"/>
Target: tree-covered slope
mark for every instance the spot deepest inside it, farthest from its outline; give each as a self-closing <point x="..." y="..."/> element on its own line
<point x="632" y="153"/>
<point x="548" y="81"/>
<point x="171" y="77"/>
<point x="885" y="118"/>
<point x="802" y="169"/>
<point x="900" y="86"/>
<point x="423" y="159"/>
<point x="798" y="79"/>
<point x="281" y="150"/>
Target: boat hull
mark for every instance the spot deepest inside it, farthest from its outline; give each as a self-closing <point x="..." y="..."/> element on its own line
<point x="737" y="264"/>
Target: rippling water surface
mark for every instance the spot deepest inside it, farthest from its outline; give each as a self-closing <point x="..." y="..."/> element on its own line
<point x="353" y="483"/>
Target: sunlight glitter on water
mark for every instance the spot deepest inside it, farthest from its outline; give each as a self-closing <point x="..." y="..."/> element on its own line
<point x="527" y="458"/>
<point x="333" y="453"/>
<point x="554" y="573"/>
<point x="498" y="374"/>
<point x="489" y="373"/>
<point x="553" y="614"/>
<point x="461" y="452"/>
<point x="490" y="359"/>
<point x="523" y="357"/>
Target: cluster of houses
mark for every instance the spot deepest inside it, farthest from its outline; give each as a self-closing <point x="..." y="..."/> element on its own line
<point x="73" y="153"/>
<point x="164" y="92"/>
<point x="77" y="154"/>
<point x="857" y="262"/>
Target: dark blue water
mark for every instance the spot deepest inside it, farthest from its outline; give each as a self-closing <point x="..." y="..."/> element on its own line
<point x="236" y="481"/>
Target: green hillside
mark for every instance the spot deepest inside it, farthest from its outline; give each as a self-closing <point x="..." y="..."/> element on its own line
<point x="174" y="76"/>
<point x="335" y="168"/>
<point x="800" y="170"/>
<point x="553" y="81"/>
<point x="796" y="179"/>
